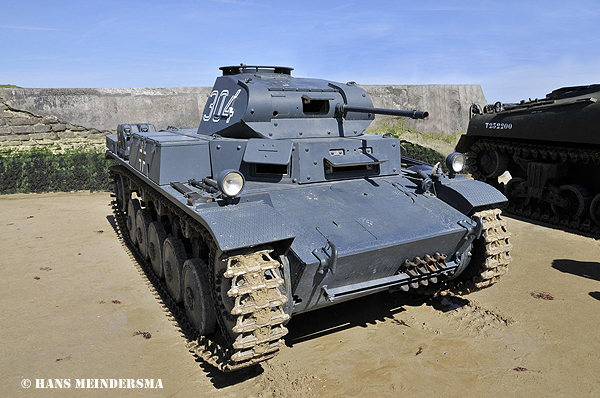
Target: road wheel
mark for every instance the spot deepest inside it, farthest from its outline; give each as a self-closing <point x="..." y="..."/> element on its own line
<point x="143" y="219"/>
<point x="174" y="256"/>
<point x="595" y="209"/>
<point x="197" y="298"/>
<point x="491" y="163"/>
<point x="516" y="191"/>
<point x="578" y="198"/>
<point x="132" y="208"/>
<point x="156" y="239"/>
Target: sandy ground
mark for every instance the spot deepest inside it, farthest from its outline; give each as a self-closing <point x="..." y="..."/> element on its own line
<point x="72" y="301"/>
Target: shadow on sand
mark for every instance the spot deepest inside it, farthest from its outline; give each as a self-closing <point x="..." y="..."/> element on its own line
<point x="370" y="310"/>
<point x="589" y="269"/>
<point x="506" y="214"/>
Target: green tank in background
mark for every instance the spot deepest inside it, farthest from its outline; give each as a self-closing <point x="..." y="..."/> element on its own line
<point x="550" y="147"/>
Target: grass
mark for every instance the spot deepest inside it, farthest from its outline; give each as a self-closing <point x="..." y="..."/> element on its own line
<point x="85" y="168"/>
<point x="439" y="142"/>
<point x="9" y="86"/>
<point x="42" y="170"/>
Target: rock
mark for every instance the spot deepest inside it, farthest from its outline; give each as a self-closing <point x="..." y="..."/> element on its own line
<point x="59" y="127"/>
<point x="50" y="119"/>
<point x="41" y="128"/>
<point x="22" y="129"/>
<point x="22" y="121"/>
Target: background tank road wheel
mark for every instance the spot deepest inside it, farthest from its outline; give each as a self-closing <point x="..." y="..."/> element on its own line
<point x="132" y="207"/>
<point x="156" y="240"/>
<point x="173" y="258"/>
<point x="595" y="209"/>
<point x="142" y="222"/>
<point x="491" y="163"/>
<point x="578" y="198"/>
<point x="197" y="298"/>
<point x="516" y="191"/>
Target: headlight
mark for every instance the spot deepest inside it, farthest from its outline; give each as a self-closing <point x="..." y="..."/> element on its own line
<point x="455" y="162"/>
<point x="230" y="182"/>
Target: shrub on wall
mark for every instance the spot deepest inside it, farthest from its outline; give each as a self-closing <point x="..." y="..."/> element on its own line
<point x="41" y="170"/>
<point x="422" y="153"/>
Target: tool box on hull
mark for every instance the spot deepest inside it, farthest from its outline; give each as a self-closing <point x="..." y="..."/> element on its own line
<point x="167" y="156"/>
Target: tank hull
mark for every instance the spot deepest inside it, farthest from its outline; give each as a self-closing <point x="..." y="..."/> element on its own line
<point x="551" y="148"/>
<point x="279" y="204"/>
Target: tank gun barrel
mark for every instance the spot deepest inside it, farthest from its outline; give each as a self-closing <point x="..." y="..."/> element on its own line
<point x="414" y="114"/>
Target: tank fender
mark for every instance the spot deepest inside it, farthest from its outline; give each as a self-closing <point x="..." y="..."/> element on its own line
<point x="240" y="225"/>
<point x="465" y="142"/>
<point x="465" y="195"/>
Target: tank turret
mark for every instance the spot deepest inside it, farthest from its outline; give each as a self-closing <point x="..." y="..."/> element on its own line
<point x="267" y="102"/>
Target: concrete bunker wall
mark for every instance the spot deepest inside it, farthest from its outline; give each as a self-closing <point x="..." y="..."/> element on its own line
<point x="33" y="117"/>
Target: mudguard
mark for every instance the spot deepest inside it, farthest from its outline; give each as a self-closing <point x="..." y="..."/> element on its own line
<point x="465" y="195"/>
<point x="245" y="224"/>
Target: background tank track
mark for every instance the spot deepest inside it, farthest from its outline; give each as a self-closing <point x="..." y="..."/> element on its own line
<point x="260" y="333"/>
<point x="536" y="210"/>
<point x="489" y="261"/>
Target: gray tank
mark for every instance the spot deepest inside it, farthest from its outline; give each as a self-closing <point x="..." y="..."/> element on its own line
<point x="279" y="204"/>
<point x="550" y="146"/>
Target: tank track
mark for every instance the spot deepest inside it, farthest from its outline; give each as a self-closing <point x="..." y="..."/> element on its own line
<point x="543" y="152"/>
<point x="491" y="253"/>
<point x="260" y="332"/>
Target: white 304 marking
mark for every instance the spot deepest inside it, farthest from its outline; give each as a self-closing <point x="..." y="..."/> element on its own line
<point x="224" y="109"/>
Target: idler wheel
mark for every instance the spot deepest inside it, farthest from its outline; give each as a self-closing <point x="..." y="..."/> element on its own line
<point x="491" y="163"/>
<point x="516" y="191"/>
<point x="197" y="298"/>
<point x="156" y="239"/>
<point x="143" y="219"/>
<point x="173" y="258"/>
<point x="595" y="209"/>
<point x="577" y="199"/>
<point x="132" y="208"/>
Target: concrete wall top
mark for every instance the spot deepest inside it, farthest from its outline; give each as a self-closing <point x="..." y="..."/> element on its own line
<point x="104" y="108"/>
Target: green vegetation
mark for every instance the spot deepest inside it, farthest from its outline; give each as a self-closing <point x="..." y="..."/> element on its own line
<point x="422" y="153"/>
<point x="440" y="142"/>
<point x="9" y="86"/>
<point x="427" y="147"/>
<point x="41" y="170"/>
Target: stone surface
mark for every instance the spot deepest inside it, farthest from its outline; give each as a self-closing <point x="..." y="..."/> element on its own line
<point x="66" y="134"/>
<point x="104" y="108"/>
<point x="17" y="137"/>
<point x="75" y="117"/>
<point x="58" y="127"/>
<point x="22" y="129"/>
<point x="41" y="128"/>
<point x="21" y="121"/>
<point x="50" y="119"/>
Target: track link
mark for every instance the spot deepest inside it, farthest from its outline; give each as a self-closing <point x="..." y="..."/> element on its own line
<point x="489" y="261"/>
<point x="258" y="310"/>
<point x="538" y="152"/>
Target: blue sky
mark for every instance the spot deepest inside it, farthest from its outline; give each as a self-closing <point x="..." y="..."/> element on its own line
<point x="514" y="49"/>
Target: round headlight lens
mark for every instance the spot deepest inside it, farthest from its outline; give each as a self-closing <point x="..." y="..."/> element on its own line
<point x="230" y="182"/>
<point x="455" y="162"/>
